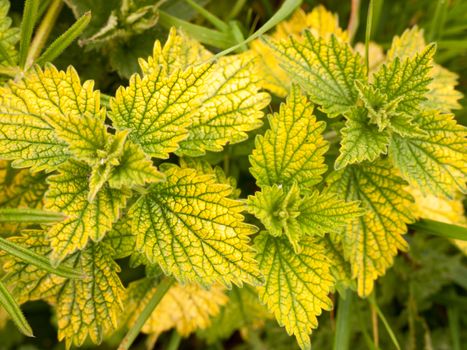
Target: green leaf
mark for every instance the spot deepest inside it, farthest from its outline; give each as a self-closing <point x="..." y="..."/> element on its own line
<point x="293" y="149"/>
<point x="13" y="310"/>
<point x="85" y="307"/>
<point x="9" y="37"/>
<point x="121" y="238"/>
<point x="361" y="140"/>
<point x="32" y="108"/>
<point x="436" y="161"/>
<point x="441" y="229"/>
<point x="371" y="243"/>
<point x="157" y="108"/>
<point x="406" y="80"/>
<point x="68" y="193"/>
<point x="297" y="285"/>
<point x="325" y="68"/>
<point x="190" y="227"/>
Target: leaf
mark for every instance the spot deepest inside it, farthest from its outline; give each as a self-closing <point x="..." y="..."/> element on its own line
<point x="68" y="193"/>
<point x="293" y="149"/>
<point x="229" y="103"/>
<point x="31" y="108"/>
<point x="242" y="311"/>
<point x="185" y="307"/>
<point x="190" y="227"/>
<point x="121" y="238"/>
<point x="85" y="307"/>
<point x="157" y="108"/>
<point x="230" y="106"/>
<point x="9" y="36"/>
<point x="10" y="305"/>
<point x="340" y="268"/>
<point x="297" y="285"/>
<point x="406" y="80"/>
<point x="436" y="161"/>
<point x="442" y="93"/>
<point x="361" y="140"/>
<point x="319" y="21"/>
<point x="372" y="241"/>
<point x="325" y="68"/>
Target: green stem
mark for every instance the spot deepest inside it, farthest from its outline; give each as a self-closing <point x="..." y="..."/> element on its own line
<point x="440" y="229"/>
<point x="453" y="317"/>
<point x="11" y="72"/>
<point x="380" y="314"/>
<point x="216" y="22"/>
<point x="36" y="216"/>
<point x="43" y="31"/>
<point x="130" y="337"/>
<point x="174" y="342"/>
<point x="37" y="260"/>
<point x="369" y="23"/>
<point x="27" y="27"/>
<point x="13" y="310"/>
<point x="236" y="9"/>
<point x="344" y="323"/>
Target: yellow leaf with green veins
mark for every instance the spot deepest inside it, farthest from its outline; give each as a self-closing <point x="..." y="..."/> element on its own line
<point x="340" y="268"/>
<point x="190" y="227"/>
<point x="319" y="21"/>
<point x="228" y="103"/>
<point x="293" y="149"/>
<point x="9" y="36"/>
<point x="31" y="108"/>
<point x="229" y="107"/>
<point x="121" y="239"/>
<point x="325" y="68"/>
<point x="68" y="193"/>
<point x="436" y="161"/>
<point x="442" y="94"/>
<point x="85" y="307"/>
<point x="406" y="79"/>
<point x="184" y="307"/>
<point x="361" y="140"/>
<point x="157" y="108"/>
<point x="372" y="240"/>
<point x="297" y="285"/>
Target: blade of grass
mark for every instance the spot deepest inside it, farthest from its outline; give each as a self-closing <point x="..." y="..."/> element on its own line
<point x="236" y="9"/>
<point x="27" y="27"/>
<point x="37" y="260"/>
<point x="284" y="11"/>
<point x="175" y="340"/>
<point x="216" y="22"/>
<point x="27" y="215"/>
<point x="43" y="32"/>
<point x="380" y="314"/>
<point x="440" y="229"/>
<point x="438" y="21"/>
<point x="64" y="40"/>
<point x="12" y="308"/>
<point x="343" y="323"/>
<point x="453" y="317"/>
<point x="205" y="35"/>
<point x="130" y="337"/>
<point x="366" y="336"/>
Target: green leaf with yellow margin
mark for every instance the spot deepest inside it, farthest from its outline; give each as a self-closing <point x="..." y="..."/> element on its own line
<point x="184" y="307"/>
<point x="325" y="68"/>
<point x="435" y="162"/>
<point x="85" y="307"/>
<point x="297" y="285"/>
<point x="190" y="227"/>
<point x="68" y="193"/>
<point x="372" y="240"/>
<point x="31" y="108"/>
<point x="293" y="149"/>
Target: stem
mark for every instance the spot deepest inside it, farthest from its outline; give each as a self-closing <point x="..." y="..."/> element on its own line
<point x="374" y="322"/>
<point x="130" y="337"/>
<point x="27" y="27"/>
<point x="343" y="324"/>
<point x="43" y="31"/>
<point x="216" y="22"/>
<point x="236" y="9"/>
<point x="354" y="19"/>
<point x="369" y="23"/>
<point x="11" y="72"/>
<point x="174" y="341"/>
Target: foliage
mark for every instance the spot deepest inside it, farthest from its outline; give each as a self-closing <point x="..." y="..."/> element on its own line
<point x="168" y="202"/>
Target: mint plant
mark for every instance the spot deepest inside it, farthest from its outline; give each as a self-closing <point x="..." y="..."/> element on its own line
<point x="133" y="177"/>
